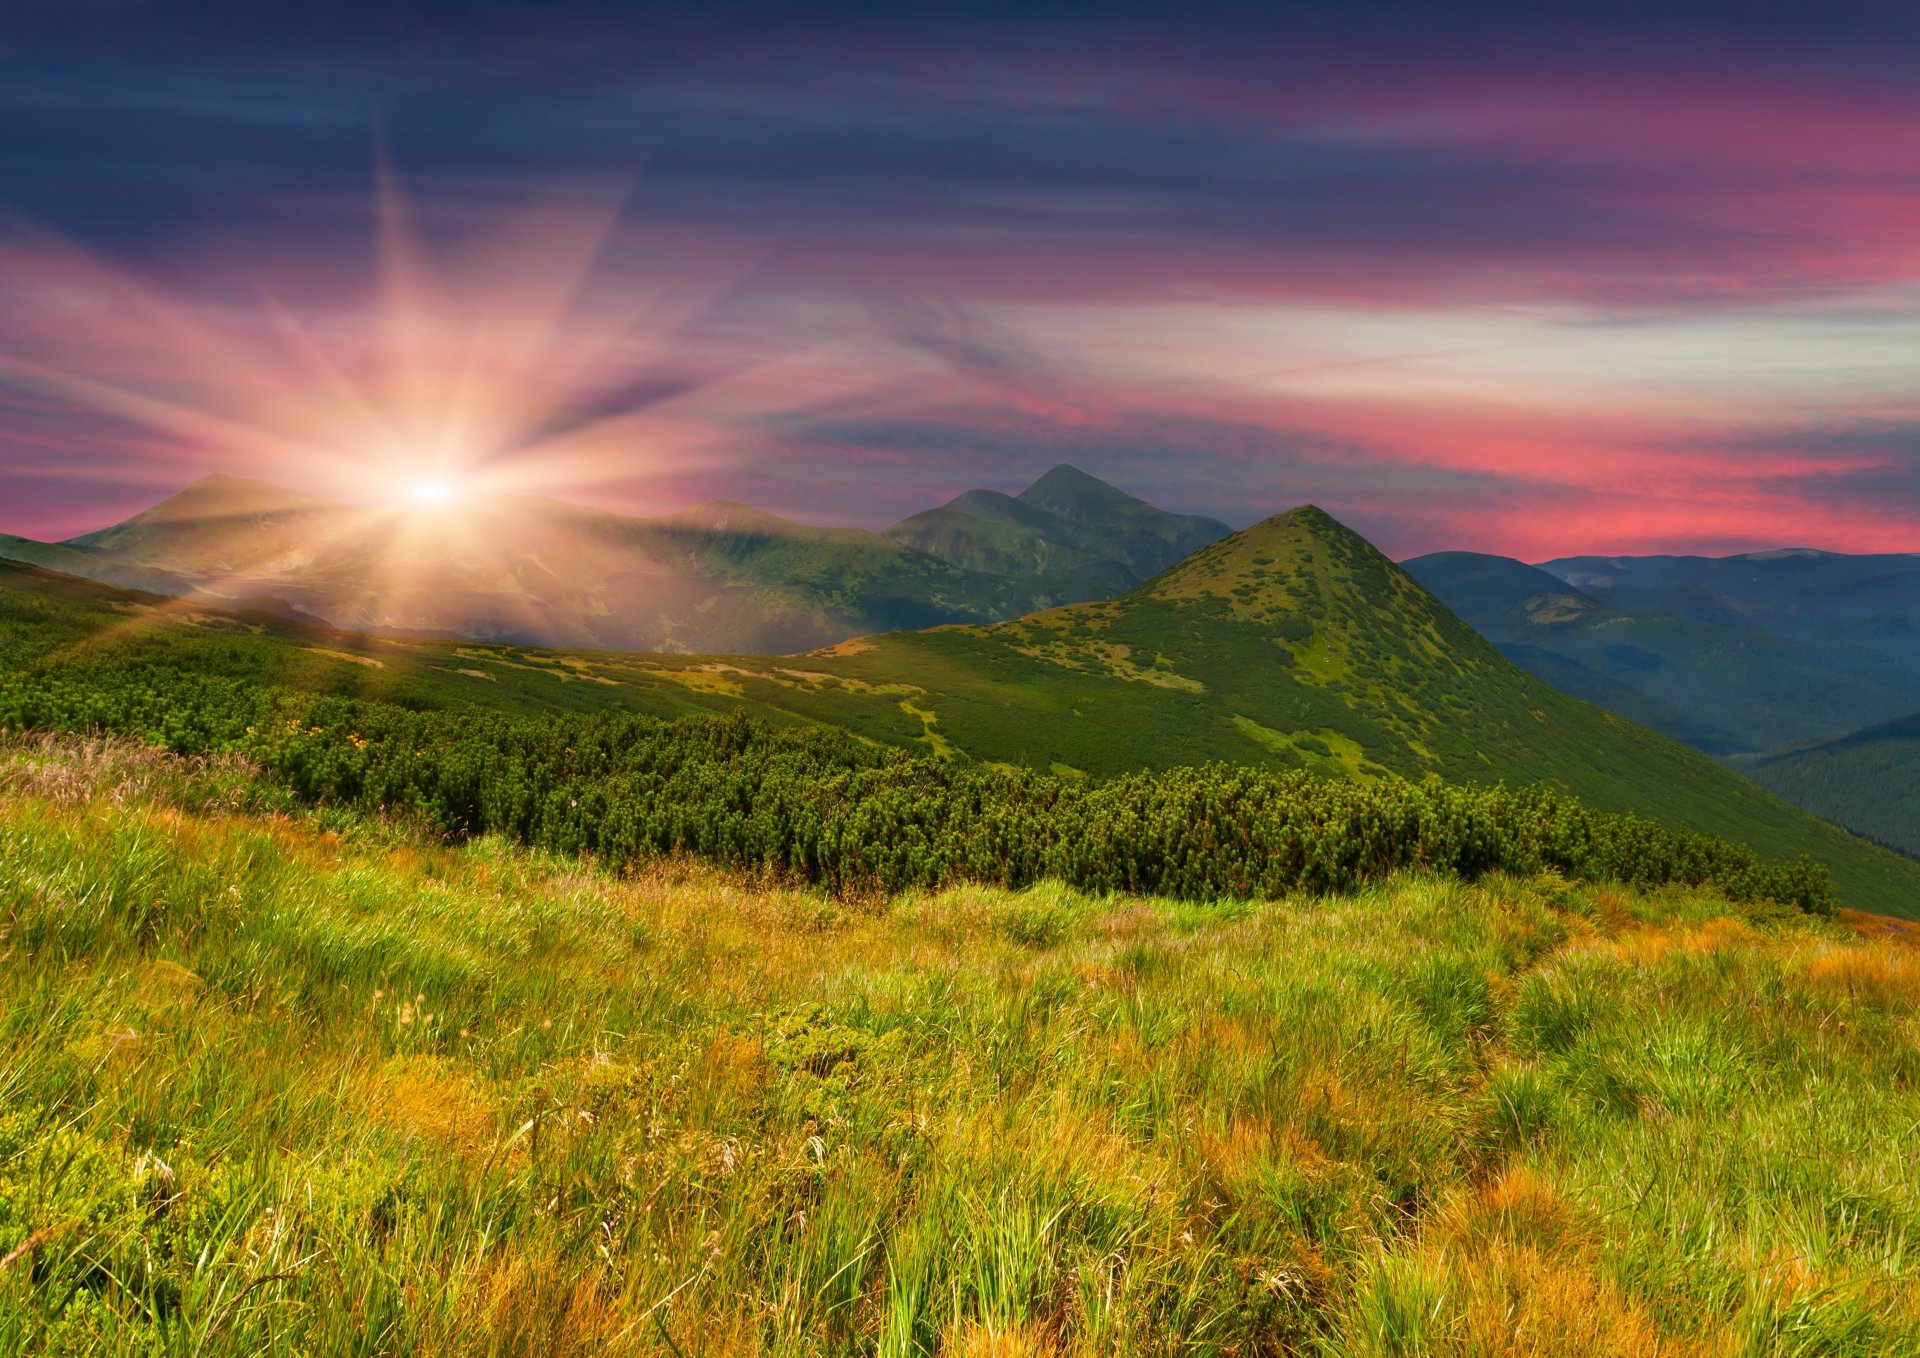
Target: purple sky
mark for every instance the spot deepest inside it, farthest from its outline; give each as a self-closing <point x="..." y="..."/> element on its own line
<point x="1537" y="280"/>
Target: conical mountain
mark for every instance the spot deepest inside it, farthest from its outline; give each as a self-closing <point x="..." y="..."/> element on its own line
<point x="1296" y="643"/>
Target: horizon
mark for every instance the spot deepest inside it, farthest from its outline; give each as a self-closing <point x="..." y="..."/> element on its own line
<point x="1591" y="282"/>
<point x="411" y="502"/>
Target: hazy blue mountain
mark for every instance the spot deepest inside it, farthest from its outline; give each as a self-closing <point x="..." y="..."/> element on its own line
<point x="1724" y="687"/>
<point x="1795" y="590"/>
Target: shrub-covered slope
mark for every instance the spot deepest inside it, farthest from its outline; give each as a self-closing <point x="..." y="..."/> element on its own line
<point x="1296" y="644"/>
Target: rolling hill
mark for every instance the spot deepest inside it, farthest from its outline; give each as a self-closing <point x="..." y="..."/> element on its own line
<point x="1293" y="644"/>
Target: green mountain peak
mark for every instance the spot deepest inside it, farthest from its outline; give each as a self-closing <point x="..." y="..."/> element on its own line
<point x="1073" y="494"/>
<point x="1088" y="539"/>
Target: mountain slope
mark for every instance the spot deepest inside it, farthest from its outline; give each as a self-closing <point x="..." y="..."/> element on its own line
<point x="72" y="561"/>
<point x="720" y="577"/>
<point x="1868" y="781"/>
<point x="1724" y="688"/>
<point x="1067" y="526"/>
<point x="1293" y="644"/>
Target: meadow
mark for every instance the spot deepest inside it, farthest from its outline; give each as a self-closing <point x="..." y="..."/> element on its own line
<point x="279" y="1080"/>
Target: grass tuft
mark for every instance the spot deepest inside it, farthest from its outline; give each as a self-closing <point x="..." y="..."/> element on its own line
<point x="282" y="1083"/>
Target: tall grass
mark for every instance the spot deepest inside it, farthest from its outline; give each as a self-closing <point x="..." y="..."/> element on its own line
<point x="279" y="1085"/>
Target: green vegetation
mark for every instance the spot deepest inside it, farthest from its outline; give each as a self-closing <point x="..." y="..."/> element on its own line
<point x="1293" y="647"/>
<point x="1868" y="781"/>
<point x="1262" y="648"/>
<point x="826" y="808"/>
<point x="280" y="1082"/>
<point x="1067" y="526"/>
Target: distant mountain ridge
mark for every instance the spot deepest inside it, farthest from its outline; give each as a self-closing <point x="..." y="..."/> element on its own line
<point x="1067" y="524"/>
<point x="1725" y="687"/>
<point x="1800" y="667"/>
<point x="720" y="577"/>
<point x="1790" y="590"/>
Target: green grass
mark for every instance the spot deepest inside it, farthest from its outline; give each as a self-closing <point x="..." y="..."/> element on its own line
<point x="284" y="1083"/>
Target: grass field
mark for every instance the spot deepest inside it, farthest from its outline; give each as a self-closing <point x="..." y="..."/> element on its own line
<point x="283" y="1083"/>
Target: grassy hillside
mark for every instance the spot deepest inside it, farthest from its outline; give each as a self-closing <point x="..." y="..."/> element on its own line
<point x="290" y="1084"/>
<point x="1296" y="644"/>
<point x="1868" y="781"/>
<point x="824" y="806"/>
<point x="1293" y="645"/>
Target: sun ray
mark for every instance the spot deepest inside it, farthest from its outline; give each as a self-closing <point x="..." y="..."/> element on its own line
<point x="487" y="361"/>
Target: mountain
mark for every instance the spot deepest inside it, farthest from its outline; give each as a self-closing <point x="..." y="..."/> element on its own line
<point x="1793" y="591"/>
<point x="1292" y="644"/>
<point x="719" y="577"/>
<point x="715" y="578"/>
<point x="1723" y="687"/>
<point x="223" y="526"/>
<point x="72" y="561"/>
<point x="1068" y="526"/>
<point x="1868" y="781"/>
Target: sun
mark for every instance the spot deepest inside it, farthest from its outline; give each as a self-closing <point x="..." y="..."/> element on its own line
<point x="432" y="494"/>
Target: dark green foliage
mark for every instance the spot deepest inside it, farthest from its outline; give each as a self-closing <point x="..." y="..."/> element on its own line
<point x="830" y="808"/>
<point x="1868" y="781"/>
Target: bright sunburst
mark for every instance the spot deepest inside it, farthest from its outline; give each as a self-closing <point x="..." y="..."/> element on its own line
<point x="433" y="494"/>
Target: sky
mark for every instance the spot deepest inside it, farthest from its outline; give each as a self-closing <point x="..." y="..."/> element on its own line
<point x="1533" y="279"/>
